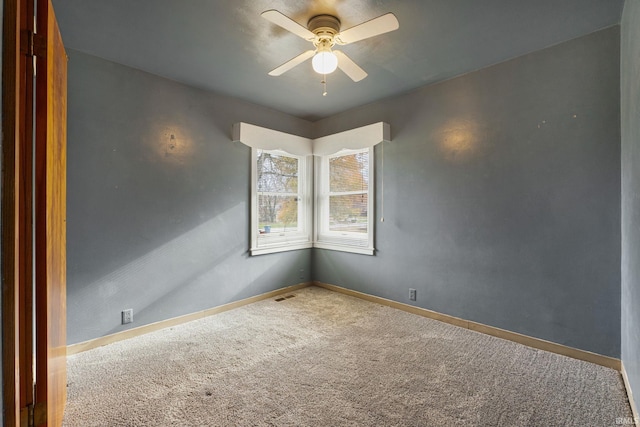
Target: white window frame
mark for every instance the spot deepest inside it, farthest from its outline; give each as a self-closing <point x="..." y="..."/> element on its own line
<point x="283" y="241"/>
<point x="321" y="149"/>
<point x="325" y="238"/>
<point x="365" y="137"/>
<point x="262" y="138"/>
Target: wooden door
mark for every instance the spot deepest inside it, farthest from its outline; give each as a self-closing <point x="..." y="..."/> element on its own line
<point x="50" y="217"/>
<point x="17" y="210"/>
<point x="20" y="45"/>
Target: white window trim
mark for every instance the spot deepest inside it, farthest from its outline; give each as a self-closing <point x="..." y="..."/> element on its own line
<point x="268" y="139"/>
<point x="258" y="137"/>
<point x="301" y="239"/>
<point x="353" y="139"/>
<point x="348" y="242"/>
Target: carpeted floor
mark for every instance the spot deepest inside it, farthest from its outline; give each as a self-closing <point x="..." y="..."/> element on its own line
<point x="326" y="359"/>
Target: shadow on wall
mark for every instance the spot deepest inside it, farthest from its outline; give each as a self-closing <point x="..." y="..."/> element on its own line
<point x="195" y="259"/>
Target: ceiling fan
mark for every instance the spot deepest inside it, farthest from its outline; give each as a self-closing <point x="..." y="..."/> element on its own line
<point x="324" y="32"/>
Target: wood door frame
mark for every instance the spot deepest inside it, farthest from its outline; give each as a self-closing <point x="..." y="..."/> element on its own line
<point x="25" y="244"/>
<point x="17" y="210"/>
<point x="50" y="219"/>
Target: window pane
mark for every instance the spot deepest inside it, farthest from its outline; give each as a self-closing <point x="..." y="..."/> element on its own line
<point x="277" y="214"/>
<point x="349" y="173"/>
<point x="348" y="213"/>
<point x="277" y="173"/>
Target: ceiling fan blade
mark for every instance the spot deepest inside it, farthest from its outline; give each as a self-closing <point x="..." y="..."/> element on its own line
<point x="380" y="25"/>
<point x="349" y="67"/>
<point x="292" y="63"/>
<point x="288" y="24"/>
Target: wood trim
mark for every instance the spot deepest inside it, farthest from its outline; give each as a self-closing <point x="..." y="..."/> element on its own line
<point x="394" y="304"/>
<point x="25" y="211"/>
<point x="17" y="204"/>
<point x="10" y="105"/>
<point x="50" y="217"/>
<point x="538" y="343"/>
<point x="632" y="403"/>
<point x="598" y="359"/>
<point x="152" y="327"/>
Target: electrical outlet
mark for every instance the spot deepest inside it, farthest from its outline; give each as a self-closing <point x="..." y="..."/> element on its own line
<point x="127" y="316"/>
<point x="412" y="294"/>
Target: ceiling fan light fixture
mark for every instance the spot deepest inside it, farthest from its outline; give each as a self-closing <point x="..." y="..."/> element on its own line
<point x="325" y="62"/>
<point x="324" y="31"/>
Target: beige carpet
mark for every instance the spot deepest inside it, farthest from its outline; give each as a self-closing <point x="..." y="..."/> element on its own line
<point x="326" y="359"/>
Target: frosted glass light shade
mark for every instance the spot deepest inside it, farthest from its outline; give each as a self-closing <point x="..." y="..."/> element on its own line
<point x="325" y="62"/>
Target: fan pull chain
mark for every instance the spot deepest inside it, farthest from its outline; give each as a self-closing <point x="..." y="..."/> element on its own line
<point x="324" y="85"/>
<point x="382" y="186"/>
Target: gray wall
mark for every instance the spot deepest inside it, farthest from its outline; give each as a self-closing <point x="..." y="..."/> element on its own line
<point x="502" y="196"/>
<point x="630" y="90"/>
<point x="502" y="200"/>
<point x="156" y="223"/>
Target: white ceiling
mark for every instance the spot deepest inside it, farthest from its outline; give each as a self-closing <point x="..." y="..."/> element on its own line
<point x="226" y="47"/>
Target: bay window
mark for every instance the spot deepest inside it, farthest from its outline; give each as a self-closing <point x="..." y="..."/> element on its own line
<point x="299" y="203"/>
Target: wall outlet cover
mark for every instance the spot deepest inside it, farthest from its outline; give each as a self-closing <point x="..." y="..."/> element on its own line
<point x="127" y="316"/>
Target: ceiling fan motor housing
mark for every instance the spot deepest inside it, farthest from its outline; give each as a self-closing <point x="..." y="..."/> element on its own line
<point x="325" y="27"/>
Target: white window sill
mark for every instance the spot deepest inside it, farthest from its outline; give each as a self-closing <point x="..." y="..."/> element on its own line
<point x="362" y="250"/>
<point x="280" y="248"/>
